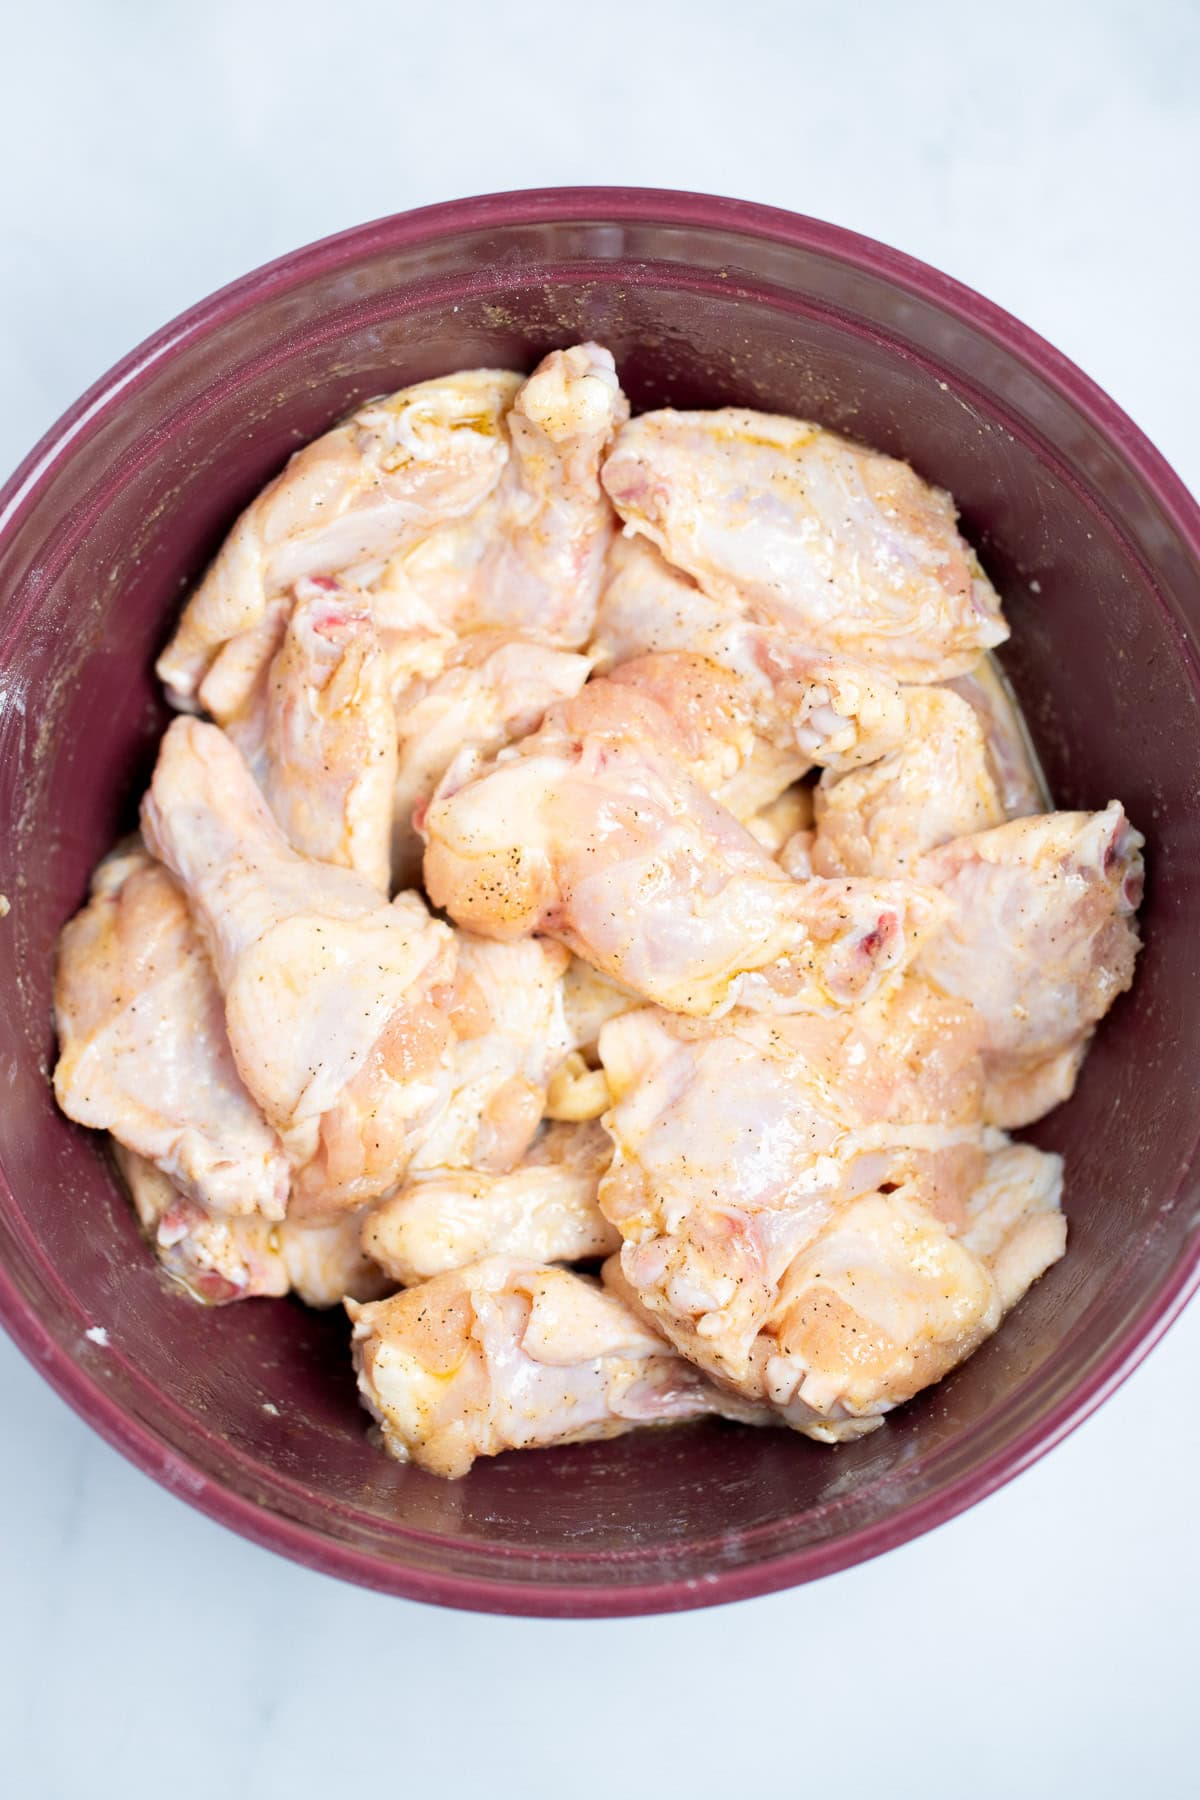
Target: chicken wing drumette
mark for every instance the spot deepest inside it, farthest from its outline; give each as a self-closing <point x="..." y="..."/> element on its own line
<point x="510" y="1355"/>
<point x="336" y="1003"/>
<point x="594" y="831"/>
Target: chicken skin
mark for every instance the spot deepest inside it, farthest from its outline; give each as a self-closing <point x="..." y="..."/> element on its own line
<point x="510" y="1034"/>
<point x="759" y="706"/>
<point x="647" y="605"/>
<point x="531" y="558"/>
<point x="1014" y="1217"/>
<point x="319" y="732"/>
<point x="396" y="469"/>
<point x="143" y="1047"/>
<point x="752" y="711"/>
<point x="592" y="831"/>
<point x="492" y="688"/>
<point x="1013" y="763"/>
<point x="335" y="1002"/>
<point x="510" y="1355"/>
<point x="885" y="1301"/>
<point x="218" y="1257"/>
<point x="737" y="1139"/>
<point x="935" y="786"/>
<point x="806" y="1205"/>
<point x="1041" y="939"/>
<point x="848" y="550"/>
<point x="545" y="1210"/>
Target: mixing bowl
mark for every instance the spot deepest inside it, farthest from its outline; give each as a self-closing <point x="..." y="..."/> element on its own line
<point x="250" y="1412"/>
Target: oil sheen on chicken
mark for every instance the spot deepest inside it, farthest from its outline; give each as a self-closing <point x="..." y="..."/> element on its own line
<point x="509" y="1355"/>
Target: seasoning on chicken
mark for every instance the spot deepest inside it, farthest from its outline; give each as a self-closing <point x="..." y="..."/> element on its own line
<point x="647" y="605"/>
<point x="493" y="687"/>
<point x="736" y="1140"/>
<point x="510" y="1355"/>
<point x="510" y="1034"/>
<point x="531" y="558"/>
<point x="219" y="1258"/>
<point x="335" y="1002"/>
<point x="847" y="549"/>
<point x="884" y="1297"/>
<point x="1041" y="939"/>
<point x="758" y="705"/>
<point x="751" y="712"/>
<point x="592" y="831"/>
<point x="545" y="1210"/>
<point x="318" y="732"/>
<point x="885" y="1301"/>
<point x="355" y="496"/>
<point x="143" y="1047"/>
<point x="936" y="785"/>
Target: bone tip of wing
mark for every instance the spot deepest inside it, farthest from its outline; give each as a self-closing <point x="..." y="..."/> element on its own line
<point x="1121" y="856"/>
<point x="181" y="677"/>
<point x="573" y="393"/>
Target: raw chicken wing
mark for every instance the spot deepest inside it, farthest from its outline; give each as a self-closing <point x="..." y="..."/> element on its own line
<point x="592" y="831"/>
<point x="885" y="1301"/>
<point x="220" y="1258"/>
<point x="753" y="711"/>
<point x="385" y="478"/>
<point x="1014" y="1217"/>
<point x="647" y="605"/>
<point x="510" y="1035"/>
<point x="1041" y="938"/>
<point x="937" y="785"/>
<point x="832" y="1306"/>
<point x="747" y="694"/>
<point x="545" y="1210"/>
<point x="531" y="558"/>
<point x="847" y="549"/>
<point x="510" y="1355"/>
<point x="144" y="1051"/>
<point x="494" y="687"/>
<point x="319" y="732"/>
<point x="335" y="1001"/>
<point x="1014" y="765"/>
<point x="736" y="1139"/>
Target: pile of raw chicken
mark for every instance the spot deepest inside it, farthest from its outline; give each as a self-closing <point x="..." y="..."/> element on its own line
<point x="745" y="936"/>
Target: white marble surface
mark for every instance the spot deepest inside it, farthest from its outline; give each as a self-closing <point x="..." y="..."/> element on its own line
<point x="1046" y="1643"/>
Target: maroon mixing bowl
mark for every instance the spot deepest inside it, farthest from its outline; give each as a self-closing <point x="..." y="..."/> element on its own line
<point x="250" y="1412"/>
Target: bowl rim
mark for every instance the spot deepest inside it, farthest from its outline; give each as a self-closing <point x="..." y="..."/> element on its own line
<point x="144" y="1447"/>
